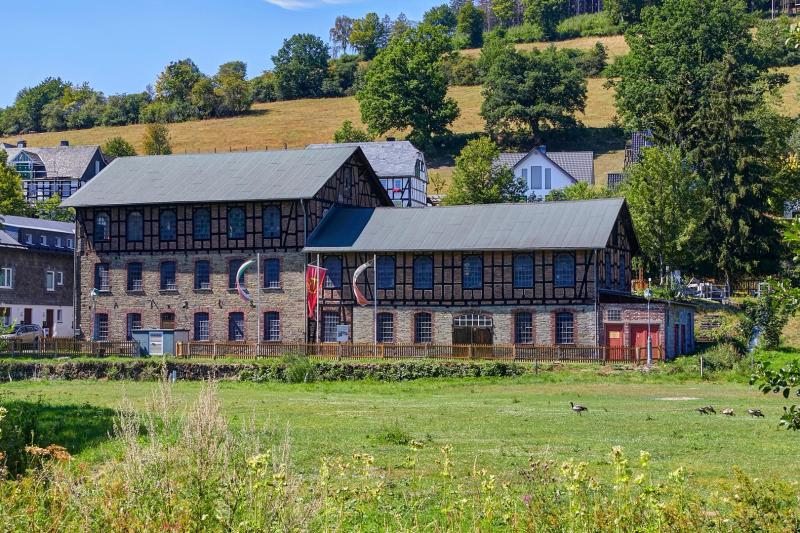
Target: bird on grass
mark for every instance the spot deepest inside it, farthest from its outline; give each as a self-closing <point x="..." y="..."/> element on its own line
<point x="578" y="408"/>
<point x="756" y="413"/>
<point x="710" y="409"/>
<point x="728" y="412"/>
<point x="702" y="410"/>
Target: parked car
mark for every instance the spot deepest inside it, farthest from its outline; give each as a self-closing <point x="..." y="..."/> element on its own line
<point x="25" y="333"/>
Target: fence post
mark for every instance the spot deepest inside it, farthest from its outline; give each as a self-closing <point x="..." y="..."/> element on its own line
<point x="470" y="352"/>
<point x="701" y="367"/>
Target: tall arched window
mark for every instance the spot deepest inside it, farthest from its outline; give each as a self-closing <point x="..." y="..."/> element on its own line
<point x="135" y="227"/>
<point x="236" y="223"/>
<point x="564" y="270"/>
<point x="167" y="225"/>
<point x="523" y="271"/>
<point x="201" y="224"/>
<point x="101" y="224"/>
<point x="472" y="272"/>
<point x="423" y="272"/>
<point x="271" y="222"/>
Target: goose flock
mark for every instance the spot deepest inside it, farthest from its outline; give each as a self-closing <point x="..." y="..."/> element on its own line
<point x="705" y="410"/>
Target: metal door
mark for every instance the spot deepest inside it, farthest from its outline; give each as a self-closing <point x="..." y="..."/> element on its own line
<point x="156" y="343"/>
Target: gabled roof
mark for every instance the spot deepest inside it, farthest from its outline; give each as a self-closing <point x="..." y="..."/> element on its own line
<point x="60" y="161"/>
<point x="231" y="177"/>
<point x="389" y="159"/>
<point x="37" y="224"/>
<point x="579" y="165"/>
<point x="585" y="224"/>
<point x="7" y="241"/>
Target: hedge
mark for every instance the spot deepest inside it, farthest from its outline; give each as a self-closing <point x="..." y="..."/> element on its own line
<point x="151" y="370"/>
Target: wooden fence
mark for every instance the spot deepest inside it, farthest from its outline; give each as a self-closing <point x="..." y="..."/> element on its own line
<point x="365" y="351"/>
<point x="58" y="347"/>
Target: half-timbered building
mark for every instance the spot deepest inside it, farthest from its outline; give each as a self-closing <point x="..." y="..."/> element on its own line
<point x="161" y="239"/>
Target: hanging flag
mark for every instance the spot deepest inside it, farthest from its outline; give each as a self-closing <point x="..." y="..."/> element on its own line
<point x="315" y="276"/>
<point x="240" y="288"/>
<point x="360" y="299"/>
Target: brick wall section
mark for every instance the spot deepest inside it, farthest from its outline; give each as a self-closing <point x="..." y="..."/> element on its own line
<point x="218" y="302"/>
<point x="662" y="317"/>
<point x="502" y="318"/>
<point x="30" y="286"/>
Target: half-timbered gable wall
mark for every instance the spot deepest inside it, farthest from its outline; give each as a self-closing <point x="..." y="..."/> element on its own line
<point x="614" y="262"/>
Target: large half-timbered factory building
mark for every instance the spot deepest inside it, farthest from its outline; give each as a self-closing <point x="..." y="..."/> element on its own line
<point x="161" y="241"/>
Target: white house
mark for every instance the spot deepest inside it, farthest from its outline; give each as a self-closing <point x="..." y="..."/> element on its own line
<point x="544" y="171"/>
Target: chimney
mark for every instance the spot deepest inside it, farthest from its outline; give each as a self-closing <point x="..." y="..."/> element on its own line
<point x="390" y="139"/>
<point x="22" y="143"/>
<point x="64" y="142"/>
<point x="542" y="148"/>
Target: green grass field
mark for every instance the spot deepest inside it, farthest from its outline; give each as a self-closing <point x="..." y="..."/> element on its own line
<point x="498" y="424"/>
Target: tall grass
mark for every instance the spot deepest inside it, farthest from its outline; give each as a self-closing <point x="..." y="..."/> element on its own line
<point x="188" y="470"/>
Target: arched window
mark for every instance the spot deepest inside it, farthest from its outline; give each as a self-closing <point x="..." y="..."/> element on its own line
<point x="271" y="221"/>
<point x="523" y="271"/>
<point x="101" y="224"/>
<point x="565" y="328"/>
<point x="385" y="332"/>
<point x="423" y="272"/>
<point x="472" y="272"/>
<point x="385" y="272"/>
<point x="167" y="225"/>
<point x="201" y="224"/>
<point x="333" y="276"/>
<point x="423" y="328"/>
<point x="135" y="227"/>
<point x="236" y="223"/>
<point x="523" y="327"/>
<point x="473" y="328"/>
<point x="564" y="270"/>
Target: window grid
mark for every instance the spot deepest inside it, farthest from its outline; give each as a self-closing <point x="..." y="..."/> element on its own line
<point x="201" y="224"/>
<point x="202" y="275"/>
<point x="6" y="278"/>
<point x="236" y="223"/>
<point x="101" y="223"/>
<point x="385" y="327"/>
<point x="472" y="272"/>
<point x="167" y="225"/>
<point x="135" y="225"/>
<point x="135" y="276"/>
<point x="233" y="268"/>
<point x="167" y="320"/>
<point x="272" y="326"/>
<point x="330" y="320"/>
<point x="101" y="277"/>
<point x="201" y="327"/>
<point x="523" y="272"/>
<point x="271" y="222"/>
<point x="385" y="272"/>
<point x="101" y="327"/>
<point x="523" y="328"/>
<point x="565" y="328"/>
<point x="614" y="315"/>
<point x="423" y="328"/>
<point x="168" y="276"/>
<point x="272" y="273"/>
<point x="473" y="320"/>
<point x="134" y="323"/>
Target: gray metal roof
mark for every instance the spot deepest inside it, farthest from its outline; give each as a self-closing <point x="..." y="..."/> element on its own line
<point x="579" y="165"/>
<point x="7" y="241"/>
<point x="237" y="176"/>
<point x="37" y="224"/>
<point x="585" y="224"/>
<point x="389" y="159"/>
<point x="60" y="161"/>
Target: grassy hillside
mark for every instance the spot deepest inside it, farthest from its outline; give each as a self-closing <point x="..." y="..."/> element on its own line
<point x="297" y="123"/>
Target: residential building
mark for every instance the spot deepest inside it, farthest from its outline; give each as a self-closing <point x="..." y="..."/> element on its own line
<point x="53" y="170"/>
<point x="633" y="148"/>
<point x="400" y="167"/>
<point x="36" y="273"/>
<point x="162" y="238"/>
<point x="544" y="171"/>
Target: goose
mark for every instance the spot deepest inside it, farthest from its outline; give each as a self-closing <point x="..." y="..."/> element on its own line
<point x="756" y="412"/>
<point x="728" y="412"/>
<point x="578" y="408"/>
<point x="710" y="409"/>
<point x="702" y="410"/>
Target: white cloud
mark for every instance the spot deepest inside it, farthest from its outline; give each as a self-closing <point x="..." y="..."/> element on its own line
<point x="306" y="4"/>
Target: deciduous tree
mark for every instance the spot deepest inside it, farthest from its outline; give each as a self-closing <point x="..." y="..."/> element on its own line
<point x="350" y="134"/>
<point x="546" y="14"/>
<point x="50" y="209"/>
<point x="300" y="67"/>
<point x="406" y="87"/>
<point x="118" y="147"/>
<point x="478" y="179"/>
<point x="339" y="34"/>
<point x="12" y="199"/>
<point x="469" y="28"/>
<point x="367" y="35"/>
<point x="156" y="140"/>
<point x="441" y="15"/>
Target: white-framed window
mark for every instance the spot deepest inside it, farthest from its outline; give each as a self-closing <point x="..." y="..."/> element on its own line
<point x="59" y="316"/>
<point x="69" y="243"/>
<point x="58" y="242"/>
<point x="59" y="278"/>
<point x="50" y="280"/>
<point x="43" y="240"/>
<point x="28" y="239"/>
<point x="6" y="278"/>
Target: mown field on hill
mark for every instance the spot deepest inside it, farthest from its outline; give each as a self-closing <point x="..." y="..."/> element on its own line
<point x="296" y="123"/>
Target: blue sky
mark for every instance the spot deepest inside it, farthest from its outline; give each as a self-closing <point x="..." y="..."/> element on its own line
<point x="121" y="45"/>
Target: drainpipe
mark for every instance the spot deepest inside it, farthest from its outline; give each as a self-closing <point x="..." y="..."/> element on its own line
<point x="305" y="266"/>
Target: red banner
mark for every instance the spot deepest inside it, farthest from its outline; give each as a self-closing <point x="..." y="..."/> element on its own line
<point x="315" y="277"/>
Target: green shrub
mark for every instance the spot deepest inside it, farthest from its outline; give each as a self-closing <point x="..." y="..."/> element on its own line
<point x="461" y="70"/>
<point x="722" y="356"/>
<point x="524" y="33"/>
<point x="394" y="434"/>
<point x="770" y="40"/>
<point x="587" y="25"/>
<point x="298" y="369"/>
